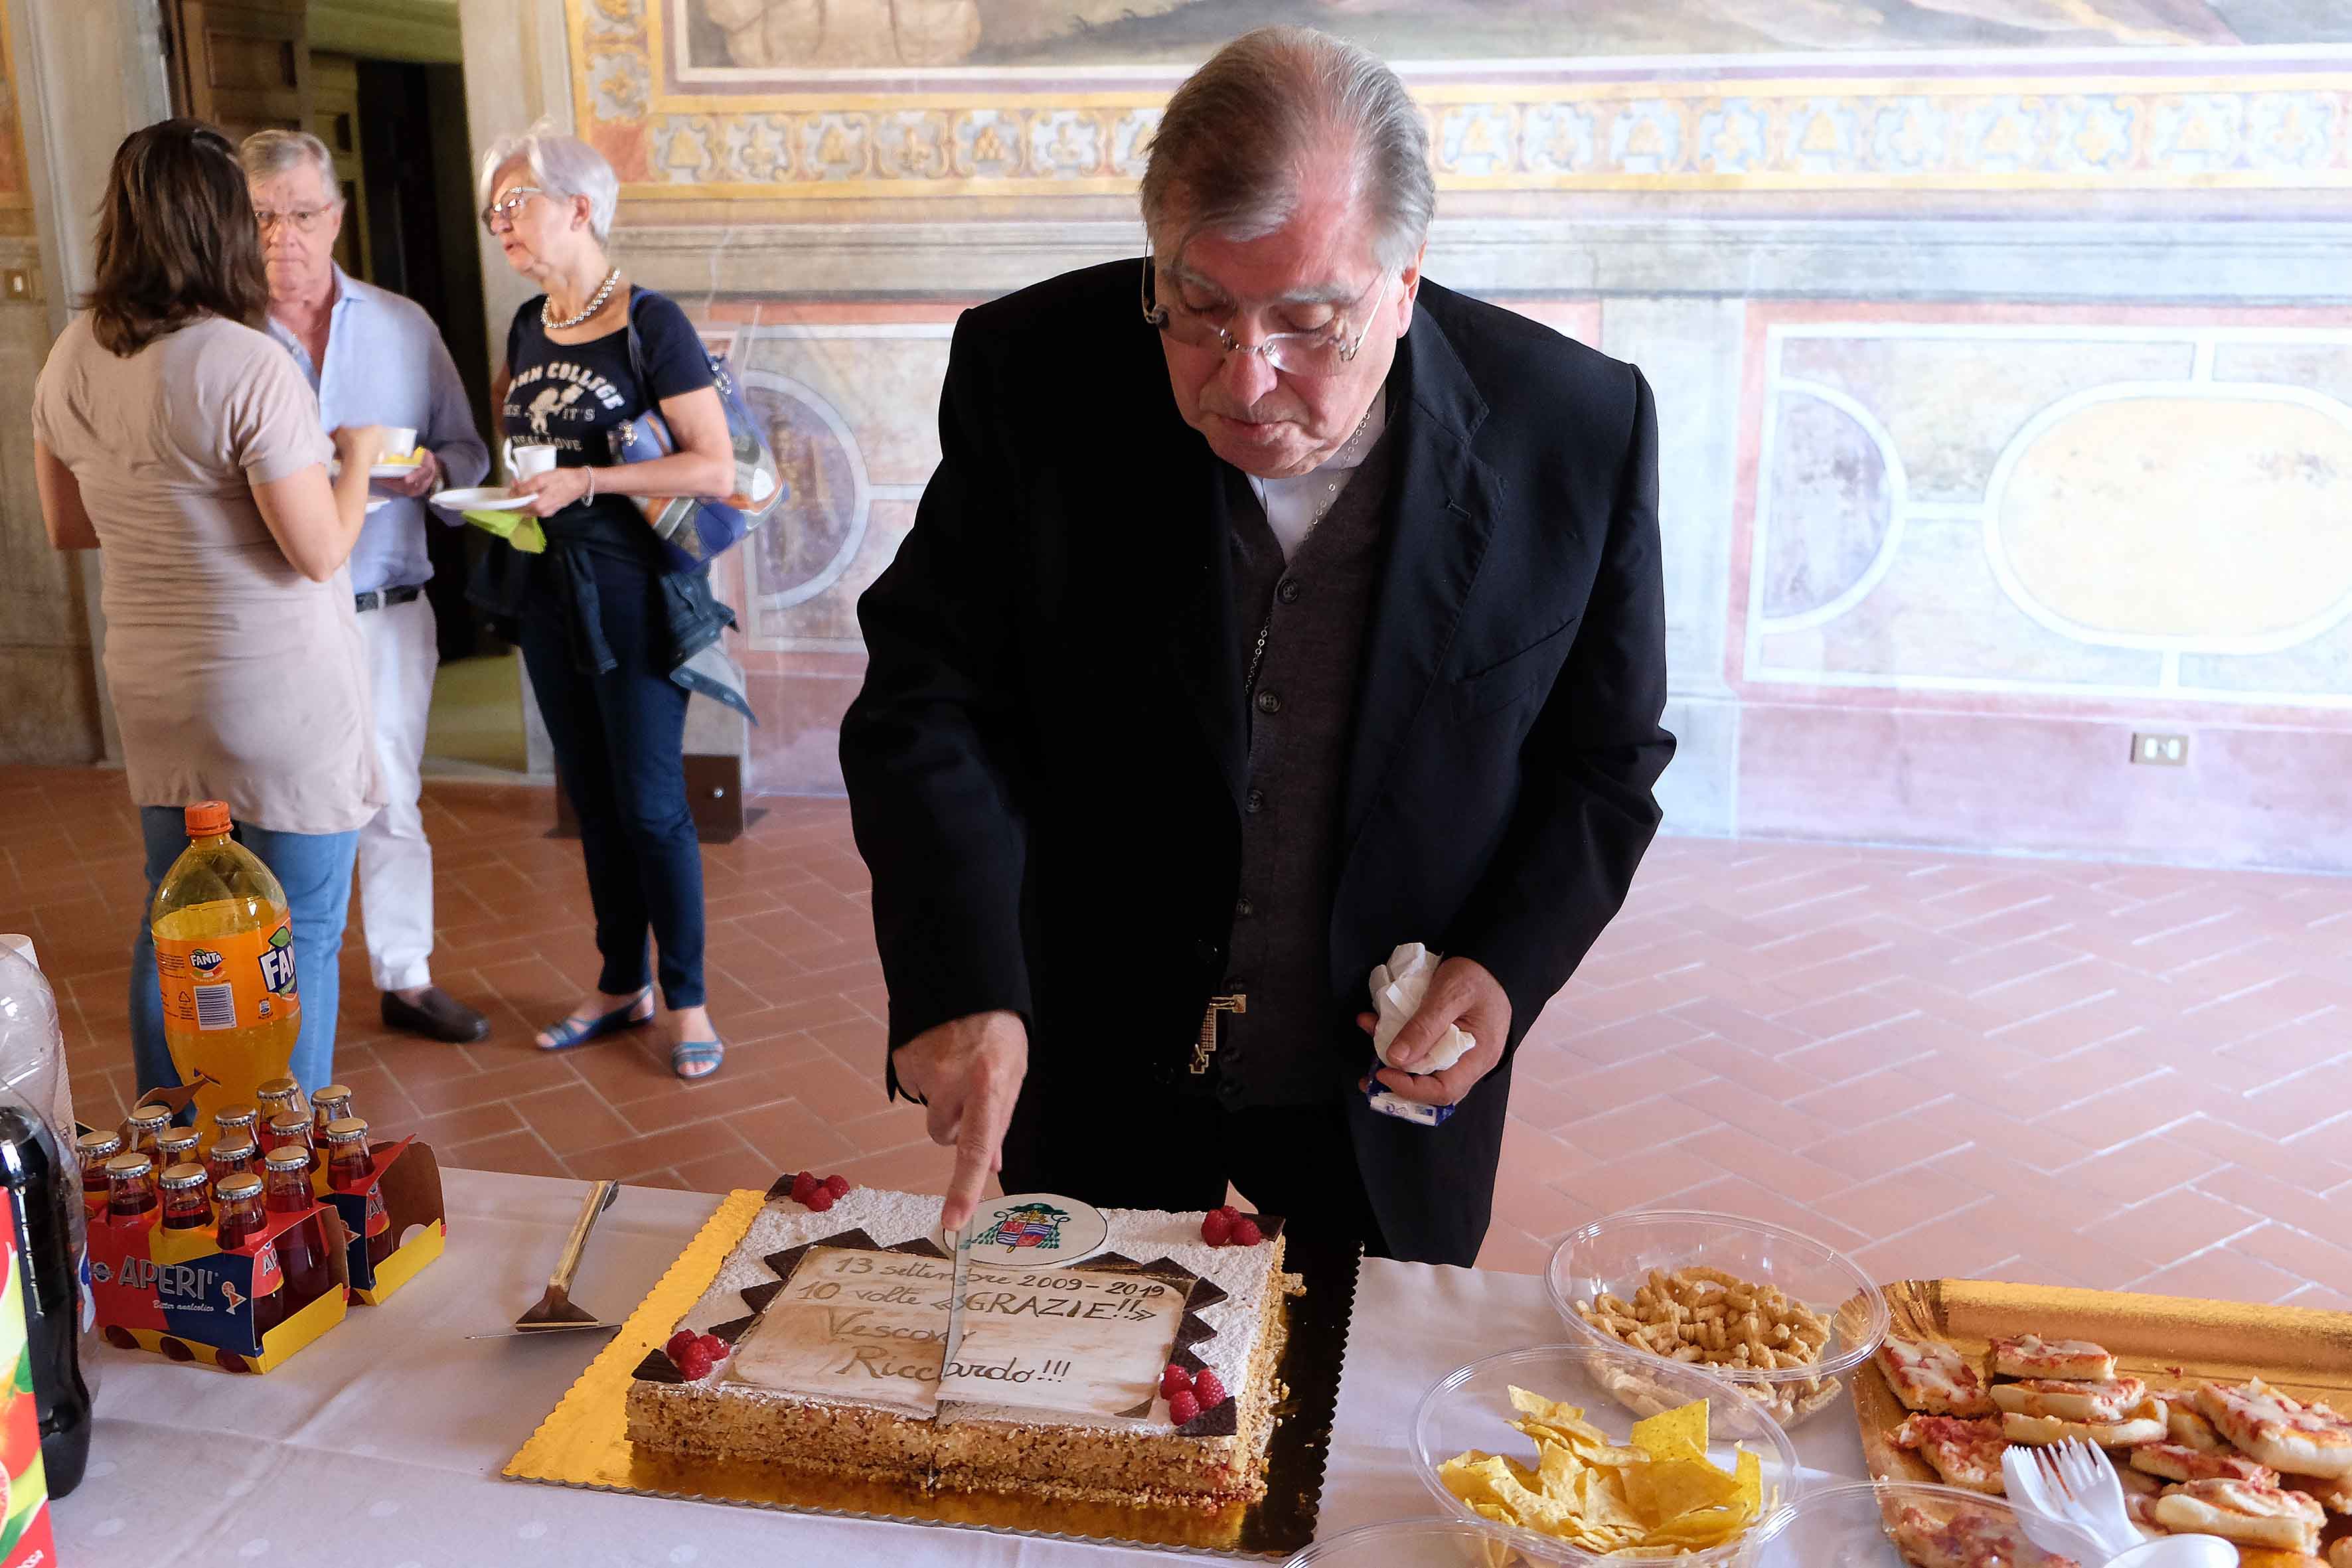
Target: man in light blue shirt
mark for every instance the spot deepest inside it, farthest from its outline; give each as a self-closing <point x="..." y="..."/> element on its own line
<point x="374" y="358"/>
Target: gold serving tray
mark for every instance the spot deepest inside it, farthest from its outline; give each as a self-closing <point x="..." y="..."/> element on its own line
<point x="2173" y="1342"/>
<point x="583" y="1442"/>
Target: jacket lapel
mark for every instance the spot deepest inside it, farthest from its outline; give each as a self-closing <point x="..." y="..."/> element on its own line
<point x="1188" y="522"/>
<point x="1442" y="508"/>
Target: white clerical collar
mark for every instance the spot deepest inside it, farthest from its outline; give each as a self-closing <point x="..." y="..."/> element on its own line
<point x="1348" y="458"/>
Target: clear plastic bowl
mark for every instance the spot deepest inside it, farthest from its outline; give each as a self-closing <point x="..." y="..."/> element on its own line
<point x="1847" y="1527"/>
<point x="1470" y="1408"/>
<point x="1408" y="1543"/>
<point x="1615" y="1257"/>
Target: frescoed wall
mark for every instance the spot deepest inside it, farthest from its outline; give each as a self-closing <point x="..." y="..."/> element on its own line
<point x="2003" y="350"/>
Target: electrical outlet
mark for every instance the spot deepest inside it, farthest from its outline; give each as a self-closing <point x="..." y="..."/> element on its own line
<point x="16" y="284"/>
<point x="2163" y="750"/>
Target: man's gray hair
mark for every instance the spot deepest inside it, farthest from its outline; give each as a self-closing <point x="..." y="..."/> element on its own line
<point x="267" y="154"/>
<point x="560" y="166"/>
<point x="1229" y="151"/>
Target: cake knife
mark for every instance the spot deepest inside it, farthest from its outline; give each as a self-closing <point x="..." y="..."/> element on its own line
<point x="958" y="1264"/>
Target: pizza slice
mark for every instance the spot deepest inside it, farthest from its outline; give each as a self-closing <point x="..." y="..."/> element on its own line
<point x="2178" y="1462"/>
<point x="2283" y="1433"/>
<point x="2340" y="1554"/>
<point x="2144" y="1423"/>
<point x="2069" y="1400"/>
<point x="2140" y="1509"/>
<point x="1930" y="1376"/>
<point x="2243" y="1512"/>
<point x="2263" y="1557"/>
<point x="2137" y="1482"/>
<point x="1973" y="1539"/>
<point x="2334" y="1493"/>
<point x="2190" y="1429"/>
<point x="2030" y="1355"/>
<point x="1964" y="1453"/>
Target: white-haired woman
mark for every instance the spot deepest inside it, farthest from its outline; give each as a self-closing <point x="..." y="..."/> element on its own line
<point x="606" y="627"/>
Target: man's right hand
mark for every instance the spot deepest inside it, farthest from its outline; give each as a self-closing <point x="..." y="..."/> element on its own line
<point x="967" y="1072"/>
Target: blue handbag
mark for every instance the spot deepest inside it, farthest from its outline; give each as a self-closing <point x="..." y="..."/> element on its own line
<point x="693" y="530"/>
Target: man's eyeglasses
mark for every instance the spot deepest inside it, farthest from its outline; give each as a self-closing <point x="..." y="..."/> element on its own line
<point x="503" y="212"/>
<point x="1322" y="351"/>
<point x="303" y="220"/>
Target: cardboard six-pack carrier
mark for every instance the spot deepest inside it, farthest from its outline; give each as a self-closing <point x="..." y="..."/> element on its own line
<point x="180" y="1295"/>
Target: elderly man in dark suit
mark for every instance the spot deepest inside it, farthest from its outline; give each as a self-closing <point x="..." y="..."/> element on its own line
<point x="1294" y="610"/>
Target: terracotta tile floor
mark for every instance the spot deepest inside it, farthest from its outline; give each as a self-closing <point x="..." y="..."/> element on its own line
<point x="2112" y="1076"/>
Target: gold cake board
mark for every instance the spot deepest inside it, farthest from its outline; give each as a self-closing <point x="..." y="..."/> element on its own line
<point x="583" y="1442"/>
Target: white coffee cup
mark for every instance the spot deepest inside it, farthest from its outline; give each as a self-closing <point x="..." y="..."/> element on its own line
<point x="525" y="462"/>
<point x="399" y="442"/>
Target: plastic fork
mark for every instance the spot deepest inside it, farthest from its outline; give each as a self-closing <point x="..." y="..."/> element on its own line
<point x="2094" y="1497"/>
<point x="2038" y="1499"/>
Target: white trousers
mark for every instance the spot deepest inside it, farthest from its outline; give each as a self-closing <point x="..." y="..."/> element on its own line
<point x="396" y="861"/>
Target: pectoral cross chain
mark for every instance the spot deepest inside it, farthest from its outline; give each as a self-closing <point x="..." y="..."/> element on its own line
<point x="1206" y="1045"/>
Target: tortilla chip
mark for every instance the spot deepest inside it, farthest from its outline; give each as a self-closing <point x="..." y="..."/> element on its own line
<point x="1679" y="1434"/>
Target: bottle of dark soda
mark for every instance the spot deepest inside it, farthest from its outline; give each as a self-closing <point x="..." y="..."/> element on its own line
<point x="242" y="1217"/>
<point x="329" y="1104"/>
<point x="308" y="1276"/>
<point x="33" y="1169"/>
<point x="129" y="1186"/>
<point x="187" y="1198"/>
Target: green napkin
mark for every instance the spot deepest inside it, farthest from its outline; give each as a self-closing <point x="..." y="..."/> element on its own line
<point x="519" y="529"/>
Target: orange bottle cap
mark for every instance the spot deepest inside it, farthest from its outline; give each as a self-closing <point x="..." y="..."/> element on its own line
<point x="207" y="819"/>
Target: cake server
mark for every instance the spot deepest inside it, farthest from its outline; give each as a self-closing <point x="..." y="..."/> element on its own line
<point x="959" y="1268"/>
<point x="554" y="1309"/>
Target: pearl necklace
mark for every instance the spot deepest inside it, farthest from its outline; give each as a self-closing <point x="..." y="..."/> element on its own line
<point x="595" y="303"/>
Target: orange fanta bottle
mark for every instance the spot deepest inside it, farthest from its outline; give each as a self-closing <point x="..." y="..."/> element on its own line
<point x="225" y="955"/>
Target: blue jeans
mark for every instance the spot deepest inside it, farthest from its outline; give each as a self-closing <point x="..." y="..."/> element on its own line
<point x="620" y="745"/>
<point x="315" y="869"/>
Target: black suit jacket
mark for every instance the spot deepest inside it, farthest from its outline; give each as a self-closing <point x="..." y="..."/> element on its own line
<point x="1046" y="764"/>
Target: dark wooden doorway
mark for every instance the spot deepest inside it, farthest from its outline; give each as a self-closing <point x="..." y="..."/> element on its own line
<point x="243" y="67"/>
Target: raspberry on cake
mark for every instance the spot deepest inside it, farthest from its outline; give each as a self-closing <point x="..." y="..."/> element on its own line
<point x="1144" y="1373"/>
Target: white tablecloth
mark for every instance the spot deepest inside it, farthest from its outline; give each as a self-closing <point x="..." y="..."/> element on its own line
<point x="380" y="1446"/>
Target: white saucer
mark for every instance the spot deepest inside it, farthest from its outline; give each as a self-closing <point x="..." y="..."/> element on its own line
<point x="489" y="498"/>
<point x="393" y="470"/>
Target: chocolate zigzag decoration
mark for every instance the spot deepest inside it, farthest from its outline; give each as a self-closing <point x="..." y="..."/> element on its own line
<point x="757" y="1296"/>
<point x="921" y="1246"/>
<point x="732" y="1330"/>
<point x="656" y="1368"/>
<point x="1205" y="1293"/>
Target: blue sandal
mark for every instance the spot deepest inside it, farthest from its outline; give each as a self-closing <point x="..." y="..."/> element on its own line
<point x="694" y="1054"/>
<point x="568" y="1032"/>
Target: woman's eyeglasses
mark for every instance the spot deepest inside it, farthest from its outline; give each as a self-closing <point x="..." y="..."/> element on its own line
<point x="503" y="212"/>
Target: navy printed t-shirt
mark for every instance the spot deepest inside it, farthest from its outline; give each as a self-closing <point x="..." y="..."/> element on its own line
<point x="571" y="395"/>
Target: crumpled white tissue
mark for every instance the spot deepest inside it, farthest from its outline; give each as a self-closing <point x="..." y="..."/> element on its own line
<point x="1397" y="988"/>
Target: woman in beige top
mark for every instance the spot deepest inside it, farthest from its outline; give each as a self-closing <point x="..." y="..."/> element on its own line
<point x="171" y="434"/>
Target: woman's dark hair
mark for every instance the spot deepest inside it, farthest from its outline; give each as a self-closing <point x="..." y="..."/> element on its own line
<point x="176" y="241"/>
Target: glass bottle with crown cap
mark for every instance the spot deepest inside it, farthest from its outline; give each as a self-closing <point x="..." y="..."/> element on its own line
<point x="350" y="1168"/>
<point x="243" y="1217"/>
<point x="95" y="1148"/>
<point x="129" y="1186"/>
<point x="144" y="1126"/>
<point x="232" y="1156"/>
<point x="175" y="1146"/>
<point x="187" y="1198"/>
<point x="329" y="1104"/>
<point x="287" y="1173"/>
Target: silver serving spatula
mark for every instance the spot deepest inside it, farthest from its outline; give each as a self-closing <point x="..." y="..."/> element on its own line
<point x="554" y="1311"/>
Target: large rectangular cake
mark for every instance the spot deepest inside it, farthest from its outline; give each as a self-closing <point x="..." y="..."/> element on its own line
<point x="836" y="1326"/>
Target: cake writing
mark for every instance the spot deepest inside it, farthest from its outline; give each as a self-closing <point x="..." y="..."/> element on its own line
<point x="871" y="1327"/>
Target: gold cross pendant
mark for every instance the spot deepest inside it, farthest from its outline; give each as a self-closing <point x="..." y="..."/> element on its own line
<point x="1206" y="1045"/>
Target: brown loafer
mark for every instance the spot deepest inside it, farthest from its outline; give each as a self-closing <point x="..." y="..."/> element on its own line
<point x="439" y="1016"/>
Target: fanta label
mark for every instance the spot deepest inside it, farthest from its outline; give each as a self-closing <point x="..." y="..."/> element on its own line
<point x="228" y="982"/>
